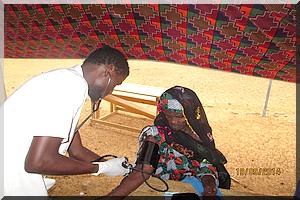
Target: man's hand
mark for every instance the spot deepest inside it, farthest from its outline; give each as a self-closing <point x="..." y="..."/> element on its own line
<point x="112" y="167"/>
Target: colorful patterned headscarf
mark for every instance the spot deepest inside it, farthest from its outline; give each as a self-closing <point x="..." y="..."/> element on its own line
<point x="168" y="102"/>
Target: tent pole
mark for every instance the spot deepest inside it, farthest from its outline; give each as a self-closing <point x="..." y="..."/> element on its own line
<point x="267" y="99"/>
<point x="2" y="85"/>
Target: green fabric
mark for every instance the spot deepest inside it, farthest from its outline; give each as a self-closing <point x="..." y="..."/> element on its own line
<point x="168" y="102"/>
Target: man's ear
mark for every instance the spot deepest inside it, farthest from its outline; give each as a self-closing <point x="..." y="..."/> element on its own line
<point x="109" y="70"/>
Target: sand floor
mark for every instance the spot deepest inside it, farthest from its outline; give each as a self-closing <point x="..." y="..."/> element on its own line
<point x="234" y="105"/>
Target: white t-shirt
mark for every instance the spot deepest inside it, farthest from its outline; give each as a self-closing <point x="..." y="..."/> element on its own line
<point x="47" y="105"/>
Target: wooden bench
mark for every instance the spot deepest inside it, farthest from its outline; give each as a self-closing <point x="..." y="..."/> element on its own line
<point x="130" y="98"/>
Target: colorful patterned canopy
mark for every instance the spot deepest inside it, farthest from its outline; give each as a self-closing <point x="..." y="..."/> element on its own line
<point x="258" y="40"/>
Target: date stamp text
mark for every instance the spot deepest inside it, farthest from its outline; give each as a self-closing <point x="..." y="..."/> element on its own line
<point x="256" y="171"/>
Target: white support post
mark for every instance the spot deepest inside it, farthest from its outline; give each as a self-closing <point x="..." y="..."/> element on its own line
<point x="2" y="85"/>
<point x="267" y="99"/>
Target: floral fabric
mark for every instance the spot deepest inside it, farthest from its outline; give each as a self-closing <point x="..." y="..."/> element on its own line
<point x="172" y="164"/>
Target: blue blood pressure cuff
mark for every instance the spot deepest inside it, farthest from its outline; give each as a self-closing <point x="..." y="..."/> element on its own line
<point x="148" y="154"/>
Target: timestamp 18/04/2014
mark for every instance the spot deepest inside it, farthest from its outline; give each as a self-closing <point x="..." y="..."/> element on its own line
<point x="242" y="171"/>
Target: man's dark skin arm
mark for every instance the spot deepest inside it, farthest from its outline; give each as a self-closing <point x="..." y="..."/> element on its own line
<point x="43" y="157"/>
<point x="79" y="152"/>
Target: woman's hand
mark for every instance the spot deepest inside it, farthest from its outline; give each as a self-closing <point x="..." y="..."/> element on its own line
<point x="209" y="185"/>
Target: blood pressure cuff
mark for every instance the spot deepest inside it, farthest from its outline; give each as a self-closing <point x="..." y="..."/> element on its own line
<point x="148" y="154"/>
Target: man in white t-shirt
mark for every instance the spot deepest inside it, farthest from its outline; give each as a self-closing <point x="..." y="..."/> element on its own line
<point x="40" y="119"/>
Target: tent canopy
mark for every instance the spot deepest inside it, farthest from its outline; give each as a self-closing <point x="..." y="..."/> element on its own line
<point x="256" y="39"/>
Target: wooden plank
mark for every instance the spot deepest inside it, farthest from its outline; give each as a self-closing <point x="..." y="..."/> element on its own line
<point x="140" y="89"/>
<point x="129" y="106"/>
<point x="115" y="125"/>
<point x="151" y="100"/>
<point x="107" y="115"/>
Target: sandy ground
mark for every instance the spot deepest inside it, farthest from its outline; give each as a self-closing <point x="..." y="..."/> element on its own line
<point x="234" y="105"/>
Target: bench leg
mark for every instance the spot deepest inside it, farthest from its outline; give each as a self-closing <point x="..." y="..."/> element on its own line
<point x="113" y="107"/>
<point x="157" y="100"/>
<point x="96" y="114"/>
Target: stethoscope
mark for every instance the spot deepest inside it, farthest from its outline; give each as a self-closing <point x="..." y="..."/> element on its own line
<point x="125" y="164"/>
<point x="96" y="106"/>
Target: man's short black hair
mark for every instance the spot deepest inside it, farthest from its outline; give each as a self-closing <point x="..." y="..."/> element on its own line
<point x="109" y="56"/>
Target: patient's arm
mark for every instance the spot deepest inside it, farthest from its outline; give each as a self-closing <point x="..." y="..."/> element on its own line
<point x="132" y="181"/>
<point x="135" y="178"/>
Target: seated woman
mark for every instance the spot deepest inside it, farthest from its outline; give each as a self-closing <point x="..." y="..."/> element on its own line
<point x="179" y="146"/>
